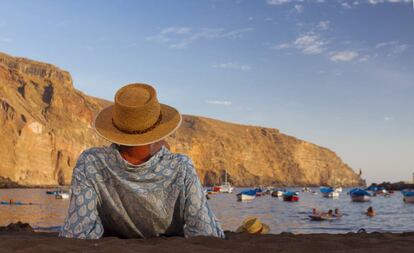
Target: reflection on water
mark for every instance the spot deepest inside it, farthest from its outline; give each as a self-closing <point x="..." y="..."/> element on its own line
<point x="392" y="213"/>
<point x="46" y="211"/>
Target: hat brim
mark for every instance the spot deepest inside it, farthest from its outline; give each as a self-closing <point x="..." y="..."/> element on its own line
<point x="170" y="121"/>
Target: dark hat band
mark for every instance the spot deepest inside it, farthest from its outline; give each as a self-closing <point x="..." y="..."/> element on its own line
<point x="139" y="131"/>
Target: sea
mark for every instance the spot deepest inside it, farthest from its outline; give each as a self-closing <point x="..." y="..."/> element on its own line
<point x="393" y="215"/>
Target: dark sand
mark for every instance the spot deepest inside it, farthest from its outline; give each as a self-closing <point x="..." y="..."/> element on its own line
<point x="27" y="241"/>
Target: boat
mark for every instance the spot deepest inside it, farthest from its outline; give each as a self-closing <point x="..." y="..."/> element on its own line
<point x="224" y="188"/>
<point x="259" y="192"/>
<point x="322" y="217"/>
<point x="306" y="189"/>
<point x="247" y="195"/>
<point x="338" y="189"/>
<point x="290" y="196"/>
<point x="376" y="190"/>
<point x="278" y="193"/>
<point x="359" y="195"/>
<point x="329" y="192"/>
<point x="408" y="196"/>
<point x="62" y="195"/>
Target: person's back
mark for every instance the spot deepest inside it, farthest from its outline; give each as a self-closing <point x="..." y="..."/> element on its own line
<point x="130" y="191"/>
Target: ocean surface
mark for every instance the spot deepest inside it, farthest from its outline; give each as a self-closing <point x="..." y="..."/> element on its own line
<point x="47" y="213"/>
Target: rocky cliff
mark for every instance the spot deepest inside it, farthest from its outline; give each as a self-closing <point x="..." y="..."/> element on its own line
<point x="46" y="123"/>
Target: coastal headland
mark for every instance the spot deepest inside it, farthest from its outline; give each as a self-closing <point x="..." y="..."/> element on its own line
<point x="47" y="123"/>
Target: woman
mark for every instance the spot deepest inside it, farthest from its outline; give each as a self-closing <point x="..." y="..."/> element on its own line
<point x="136" y="187"/>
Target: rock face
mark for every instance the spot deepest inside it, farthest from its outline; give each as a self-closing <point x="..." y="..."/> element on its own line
<point x="46" y="123"/>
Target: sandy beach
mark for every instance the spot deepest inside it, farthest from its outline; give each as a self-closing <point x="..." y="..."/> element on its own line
<point x="13" y="240"/>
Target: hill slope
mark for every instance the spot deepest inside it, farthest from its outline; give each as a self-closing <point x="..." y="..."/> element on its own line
<point x="46" y="123"/>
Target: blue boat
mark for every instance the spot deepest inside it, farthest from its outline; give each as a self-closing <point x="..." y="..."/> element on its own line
<point x="359" y="195"/>
<point x="246" y="195"/>
<point x="408" y="196"/>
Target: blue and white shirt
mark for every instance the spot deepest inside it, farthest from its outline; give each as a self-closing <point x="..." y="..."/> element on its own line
<point x="162" y="196"/>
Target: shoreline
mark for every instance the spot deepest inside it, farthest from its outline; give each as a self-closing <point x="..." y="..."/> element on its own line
<point x="26" y="241"/>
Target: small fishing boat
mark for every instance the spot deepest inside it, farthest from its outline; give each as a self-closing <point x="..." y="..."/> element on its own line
<point x="323" y="217"/>
<point x="306" y="189"/>
<point x="290" y="196"/>
<point x="62" y="195"/>
<point x="247" y="195"/>
<point x="338" y="189"/>
<point x="408" y="196"/>
<point x="259" y="192"/>
<point x="278" y="193"/>
<point x="329" y="192"/>
<point x="359" y="195"/>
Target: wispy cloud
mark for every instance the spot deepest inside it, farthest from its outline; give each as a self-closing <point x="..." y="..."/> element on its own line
<point x="278" y="2"/>
<point x="233" y="65"/>
<point x="219" y="102"/>
<point x="388" y="118"/>
<point x="309" y="43"/>
<point x="299" y="8"/>
<point x="346" y="5"/>
<point x="388" y="1"/>
<point x="181" y="37"/>
<point x="343" y="56"/>
<point x="393" y="47"/>
<point x="323" y="25"/>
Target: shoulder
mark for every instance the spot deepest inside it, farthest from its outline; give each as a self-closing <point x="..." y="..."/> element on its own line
<point x="177" y="158"/>
<point x="95" y="153"/>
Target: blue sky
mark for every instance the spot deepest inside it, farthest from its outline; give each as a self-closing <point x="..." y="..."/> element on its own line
<point x="336" y="73"/>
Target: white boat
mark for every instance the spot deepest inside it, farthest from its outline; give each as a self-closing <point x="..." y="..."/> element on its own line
<point x="62" y="195"/>
<point x="363" y="198"/>
<point x="408" y="199"/>
<point x="408" y="196"/>
<point x="338" y="189"/>
<point x="226" y="186"/>
<point x="246" y="195"/>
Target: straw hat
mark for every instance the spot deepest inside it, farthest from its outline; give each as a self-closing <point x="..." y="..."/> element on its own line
<point x="136" y="118"/>
<point x="253" y="225"/>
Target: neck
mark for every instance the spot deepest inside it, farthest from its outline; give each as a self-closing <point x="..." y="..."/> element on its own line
<point x="136" y="155"/>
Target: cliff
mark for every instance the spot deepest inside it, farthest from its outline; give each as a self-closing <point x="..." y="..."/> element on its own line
<point x="46" y="123"/>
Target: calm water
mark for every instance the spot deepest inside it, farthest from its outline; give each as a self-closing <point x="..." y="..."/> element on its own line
<point x="392" y="213"/>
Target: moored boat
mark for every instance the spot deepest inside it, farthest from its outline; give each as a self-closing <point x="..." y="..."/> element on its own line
<point x="62" y="195"/>
<point x="247" y="195"/>
<point x="408" y="196"/>
<point x="359" y="195"/>
<point x="290" y="196"/>
<point x="278" y="193"/>
<point x="329" y="192"/>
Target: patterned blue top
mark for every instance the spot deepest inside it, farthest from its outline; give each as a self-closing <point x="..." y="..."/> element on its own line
<point x="162" y="196"/>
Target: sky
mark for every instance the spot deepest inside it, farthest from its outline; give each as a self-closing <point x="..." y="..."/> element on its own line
<point x="337" y="73"/>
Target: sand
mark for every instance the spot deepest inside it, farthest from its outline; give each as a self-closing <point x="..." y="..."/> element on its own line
<point x="22" y="239"/>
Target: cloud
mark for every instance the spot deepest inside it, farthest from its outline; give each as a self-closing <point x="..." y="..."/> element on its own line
<point x="278" y="2"/>
<point x="343" y="56"/>
<point x="393" y="47"/>
<point x="323" y="25"/>
<point x="346" y="5"/>
<point x="232" y="65"/>
<point x="387" y="118"/>
<point x="388" y="1"/>
<point x="218" y="102"/>
<point x="299" y="8"/>
<point x="181" y="37"/>
<point x="309" y="43"/>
